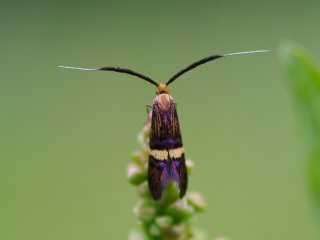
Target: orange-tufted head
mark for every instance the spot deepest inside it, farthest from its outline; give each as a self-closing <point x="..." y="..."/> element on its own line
<point x="162" y="88"/>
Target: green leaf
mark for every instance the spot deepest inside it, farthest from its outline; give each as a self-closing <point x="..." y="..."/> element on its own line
<point x="303" y="80"/>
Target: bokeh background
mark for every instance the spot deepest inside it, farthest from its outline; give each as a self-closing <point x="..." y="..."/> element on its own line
<point x="66" y="136"/>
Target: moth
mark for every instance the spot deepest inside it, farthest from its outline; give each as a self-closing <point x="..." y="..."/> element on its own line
<point x="166" y="155"/>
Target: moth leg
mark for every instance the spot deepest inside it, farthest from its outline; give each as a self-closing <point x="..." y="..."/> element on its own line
<point x="148" y="108"/>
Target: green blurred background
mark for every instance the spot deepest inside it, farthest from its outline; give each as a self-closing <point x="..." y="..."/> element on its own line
<point x="66" y="136"/>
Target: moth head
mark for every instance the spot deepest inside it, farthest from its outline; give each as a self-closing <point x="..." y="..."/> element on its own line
<point x="162" y="88"/>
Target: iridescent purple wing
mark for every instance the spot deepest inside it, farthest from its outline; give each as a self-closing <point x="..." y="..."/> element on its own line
<point x="166" y="159"/>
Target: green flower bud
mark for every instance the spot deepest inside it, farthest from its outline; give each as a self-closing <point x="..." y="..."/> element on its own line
<point x="137" y="234"/>
<point x="140" y="157"/>
<point x="190" y="165"/>
<point x="143" y="135"/>
<point x="180" y="209"/>
<point x="196" y="200"/>
<point x="144" y="211"/>
<point x="154" y="230"/>
<point x="221" y="238"/>
<point x="143" y="190"/>
<point x="180" y="231"/>
<point x="135" y="174"/>
<point x="164" y="222"/>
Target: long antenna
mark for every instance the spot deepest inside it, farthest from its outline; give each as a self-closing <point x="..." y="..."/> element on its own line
<point x="208" y="59"/>
<point x="116" y="69"/>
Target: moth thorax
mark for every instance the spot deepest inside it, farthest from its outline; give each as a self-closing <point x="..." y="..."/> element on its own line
<point x="163" y="100"/>
<point x="162" y="88"/>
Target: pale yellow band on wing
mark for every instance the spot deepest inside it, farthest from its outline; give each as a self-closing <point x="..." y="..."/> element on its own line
<point x="164" y="154"/>
<point x="159" y="154"/>
<point x="176" y="153"/>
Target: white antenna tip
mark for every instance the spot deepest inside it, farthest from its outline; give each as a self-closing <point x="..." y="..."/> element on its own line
<point x="78" y="68"/>
<point x="247" y="52"/>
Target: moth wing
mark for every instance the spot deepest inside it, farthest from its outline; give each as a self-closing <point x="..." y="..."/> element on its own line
<point x="158" y="176"/>
<point x="179" y="174"/>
